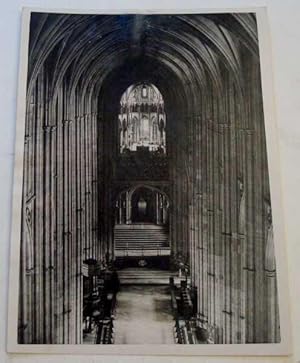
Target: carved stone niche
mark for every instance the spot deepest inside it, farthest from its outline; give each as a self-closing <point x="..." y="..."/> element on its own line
<point x="28" y="235"/>
<point x="270" y="263"/>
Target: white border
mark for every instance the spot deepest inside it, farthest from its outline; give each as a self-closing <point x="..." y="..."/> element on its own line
<point x="282" y="348"/>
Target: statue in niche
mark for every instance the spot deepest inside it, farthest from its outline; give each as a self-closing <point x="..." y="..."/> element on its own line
<point x="134" y="131"/>
<point x="154" y="132"/>
<point x="270" y="263"/>
<point x="242" y="207"/>
<point x="161" y="130"/>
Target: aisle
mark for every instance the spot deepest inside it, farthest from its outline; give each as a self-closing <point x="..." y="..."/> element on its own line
<point x="144" y="316"/>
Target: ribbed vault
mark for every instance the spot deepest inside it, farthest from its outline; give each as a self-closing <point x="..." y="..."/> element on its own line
<point x="88" y="48"/>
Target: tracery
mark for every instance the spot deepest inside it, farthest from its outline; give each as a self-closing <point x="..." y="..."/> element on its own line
<point x="142" y="119"/>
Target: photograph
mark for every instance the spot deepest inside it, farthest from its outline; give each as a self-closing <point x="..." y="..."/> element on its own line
<point x="144" y="208"/>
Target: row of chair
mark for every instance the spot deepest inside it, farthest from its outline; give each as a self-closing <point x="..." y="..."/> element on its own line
<point x="187" y="328"/>
<point x="105" y="331"/>
<point x="99" y="306"/>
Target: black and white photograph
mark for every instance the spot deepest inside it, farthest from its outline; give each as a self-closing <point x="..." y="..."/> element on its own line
<point x="145" y="208"/>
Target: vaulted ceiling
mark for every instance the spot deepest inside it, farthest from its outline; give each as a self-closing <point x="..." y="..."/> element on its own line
<point x="89" y="49"/>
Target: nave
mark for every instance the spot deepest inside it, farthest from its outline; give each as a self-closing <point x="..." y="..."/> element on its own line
<point x="145" y="147"/>
<point x="144" y="315"/>
<point x="143" y="306"/>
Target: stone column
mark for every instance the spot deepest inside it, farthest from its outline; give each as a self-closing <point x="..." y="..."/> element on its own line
<point x="157" y="208"/>
<point x="128" y="208"/>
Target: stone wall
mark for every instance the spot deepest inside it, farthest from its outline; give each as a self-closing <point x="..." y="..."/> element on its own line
<point x="60" y="212"/>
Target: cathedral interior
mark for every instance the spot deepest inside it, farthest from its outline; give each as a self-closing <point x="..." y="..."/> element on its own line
<point x="146" y="174"/>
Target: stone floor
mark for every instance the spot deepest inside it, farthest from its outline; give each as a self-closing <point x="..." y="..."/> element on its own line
<point x="143" y="315"/>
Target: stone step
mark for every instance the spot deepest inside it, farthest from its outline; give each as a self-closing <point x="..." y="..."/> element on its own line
<point x="142" y="253"/>
<point x="139" y="232"/>
<point x="137" y="244"/>
<point x="142" y="226"/>
<point x="145" y="239"/>
<point x="142" y="270"/>
<point x="140" y="248"/>
<point x="141" y="240"/>
<point x="142" y="276"/>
